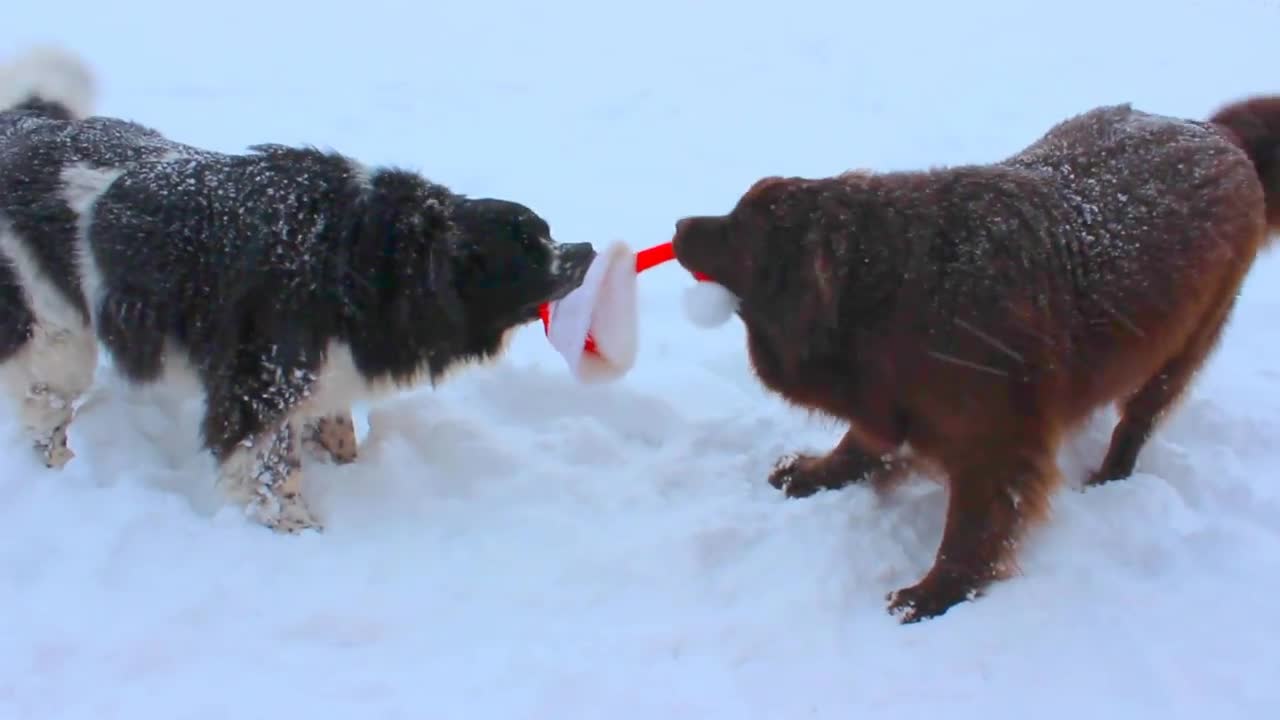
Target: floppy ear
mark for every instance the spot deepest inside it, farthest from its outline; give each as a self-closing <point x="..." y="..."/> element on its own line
<point x="804" y="288"/>
<point x="824" y="277"/>
<point x="440" y="275"/>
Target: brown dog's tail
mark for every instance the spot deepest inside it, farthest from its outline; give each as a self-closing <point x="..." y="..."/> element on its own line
<point x="1255" y="125"/>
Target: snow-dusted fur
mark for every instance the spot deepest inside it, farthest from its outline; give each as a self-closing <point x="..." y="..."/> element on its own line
<point x="963" y="320"/>
<point x="285" y="283"/>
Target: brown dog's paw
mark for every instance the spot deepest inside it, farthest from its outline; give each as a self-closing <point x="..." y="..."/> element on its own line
<point x="1104" y="475"/>
<point x="799" y="476"/>
<point x="928" y="599"/>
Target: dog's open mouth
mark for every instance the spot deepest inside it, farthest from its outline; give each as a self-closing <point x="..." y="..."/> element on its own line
<point x="570" y="265"/>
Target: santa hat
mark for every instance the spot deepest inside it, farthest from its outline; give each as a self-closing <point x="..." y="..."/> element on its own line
<point x="594" y="327"/>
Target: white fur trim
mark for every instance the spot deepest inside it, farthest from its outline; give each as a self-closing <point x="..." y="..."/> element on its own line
<point x="50" y="74"/>
<point x="708" y="304"/>
<point x="604" y="305"/>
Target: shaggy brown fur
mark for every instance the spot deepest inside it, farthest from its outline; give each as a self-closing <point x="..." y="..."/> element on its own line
<point x="963" y="320"/>
<point x="1255" y="124"/>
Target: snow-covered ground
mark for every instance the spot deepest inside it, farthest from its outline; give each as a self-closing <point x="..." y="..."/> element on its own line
<point x="514" y="545"/>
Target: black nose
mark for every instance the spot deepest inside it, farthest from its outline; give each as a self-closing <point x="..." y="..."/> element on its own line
<point x="575" y="258"/>
<point x="570" y="269"/>
<point x="583" y="252"/>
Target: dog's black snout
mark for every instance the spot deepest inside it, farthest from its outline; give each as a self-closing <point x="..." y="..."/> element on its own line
<point x="577" y="257"/>
<point x="570" y="267"/>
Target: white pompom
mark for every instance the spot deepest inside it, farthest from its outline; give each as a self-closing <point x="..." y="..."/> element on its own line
<point x="709" y="304"/>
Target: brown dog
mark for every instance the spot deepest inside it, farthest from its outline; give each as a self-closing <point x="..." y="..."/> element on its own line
<point x="963" y="320"/>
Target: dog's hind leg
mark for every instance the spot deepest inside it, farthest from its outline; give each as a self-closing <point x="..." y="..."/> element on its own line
<point x="47" y="353"/>
<point x="331" y="436"/>
<point x="1147" y="407"/>
<point x="47" y="377"/>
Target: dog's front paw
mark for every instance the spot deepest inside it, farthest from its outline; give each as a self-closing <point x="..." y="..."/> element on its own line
<point x="1104" y="475"/>
<point x="798" y="476"/>
<point x="288" y="516"/>
<point x="54" y="451"/>
<point x="928" y="599"/>
<point x="788" y="476"/>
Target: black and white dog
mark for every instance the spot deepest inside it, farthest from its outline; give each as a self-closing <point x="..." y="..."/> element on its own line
<point x="287" y="282"/>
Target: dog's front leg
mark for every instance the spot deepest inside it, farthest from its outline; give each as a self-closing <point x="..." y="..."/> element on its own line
<point x="253" y="427"/>
<point x="264" y="475"/>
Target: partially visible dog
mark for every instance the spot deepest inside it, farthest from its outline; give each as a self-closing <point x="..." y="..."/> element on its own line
<point x="965" y="319"/>
<point x="287" y="282"/>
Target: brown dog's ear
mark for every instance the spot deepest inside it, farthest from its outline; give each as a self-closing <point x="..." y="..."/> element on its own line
<point x="824" y="276"/>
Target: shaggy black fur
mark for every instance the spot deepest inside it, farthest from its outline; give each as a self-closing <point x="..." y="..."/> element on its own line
<point x="254" y="266"/>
